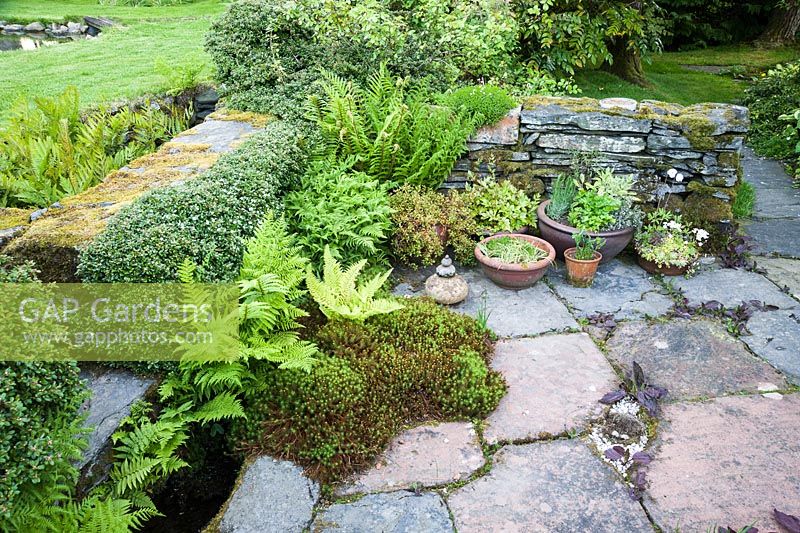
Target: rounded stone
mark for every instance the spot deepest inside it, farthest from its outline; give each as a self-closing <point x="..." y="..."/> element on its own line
<point x="447" y="291"/>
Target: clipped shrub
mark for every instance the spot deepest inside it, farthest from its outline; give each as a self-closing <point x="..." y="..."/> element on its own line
<point x="343" y="209"/>
<point x="768" y="98"/>
<point x="207" y="219"/>
<point x="485" y="103"/>
<point x="419" y="363"/>
<point x="426" y="222"/>
<point x="395" y="134"/>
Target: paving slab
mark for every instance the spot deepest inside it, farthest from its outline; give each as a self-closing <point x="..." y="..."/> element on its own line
<point x="551" y="486"/>
<point x="783" y="273"/>
<point x="272" y="496"/>
<point x="727" y="462"/>
<point x="554" y="384"/>
<point x="620" y="288"/>
<point x="424" y="456"/>
<point x="775" y="336"/>
<point x="691" y="358"/>
<point x="527" y="312"/>
<point x="731" y="287"/>
<point x="222" y="135"/>
<point x="775" y="236"/>
<point x="394" y="512"/>
<point x="112" y="392"/>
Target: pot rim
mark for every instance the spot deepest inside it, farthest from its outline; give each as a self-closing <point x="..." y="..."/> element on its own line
<point x="517" y="267"/>
<point x="596" y="259"/>
<point x="541" y="213"/>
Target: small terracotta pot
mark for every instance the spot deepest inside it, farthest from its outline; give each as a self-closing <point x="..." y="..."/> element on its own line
<point x="512" y="275"/>
<point x="580" y="273"/>
<point x="653" y="268"/>
<point x="560" y="235"/>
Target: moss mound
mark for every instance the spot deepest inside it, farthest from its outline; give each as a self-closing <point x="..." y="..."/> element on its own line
<point x="420" y="363"/>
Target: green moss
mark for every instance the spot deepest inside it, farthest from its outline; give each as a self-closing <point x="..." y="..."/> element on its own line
<point x="729" y="160"/>
<point x="11" y="217"/>
<point x="579" y="105"/>
<point x="708" y="190"/>
<point x="257" y="120"/>
<point x="524" y="181"/>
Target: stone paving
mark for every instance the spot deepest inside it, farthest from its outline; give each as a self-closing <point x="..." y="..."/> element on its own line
<point x="776" y="218"/>
<point x="726" y="449"/>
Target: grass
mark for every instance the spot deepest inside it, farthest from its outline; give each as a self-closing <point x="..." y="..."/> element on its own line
<point x="744" y="202"/>
<point x="119" y="64"/>
<point x="672" y="82"/>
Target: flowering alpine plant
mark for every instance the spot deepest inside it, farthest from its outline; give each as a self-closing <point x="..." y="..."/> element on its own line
<point x="667" y="240"/>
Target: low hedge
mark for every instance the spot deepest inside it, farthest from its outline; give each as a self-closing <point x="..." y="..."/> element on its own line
<point x="206" y="219"/>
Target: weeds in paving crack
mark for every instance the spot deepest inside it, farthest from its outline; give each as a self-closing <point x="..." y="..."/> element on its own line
<point x="734" y="318"/>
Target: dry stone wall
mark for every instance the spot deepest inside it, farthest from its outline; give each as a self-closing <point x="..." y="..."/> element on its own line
<point x="537" y="141"/>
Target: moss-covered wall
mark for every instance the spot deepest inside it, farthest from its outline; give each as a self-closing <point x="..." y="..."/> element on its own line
<point x="644" y="139"/>
<point x="53" y="239"/>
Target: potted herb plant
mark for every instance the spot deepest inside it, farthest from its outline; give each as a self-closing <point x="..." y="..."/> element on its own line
<point x="583" y="258"/>
<point x="500" y="207"/>
<point x="514" y="260"/>
<point x="600" y="203"/>
<point x="667" y="245"/>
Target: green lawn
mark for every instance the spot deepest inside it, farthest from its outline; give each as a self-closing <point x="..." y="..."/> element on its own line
<point x="118" y="64"/>
<point x="674" y="83"/>
<point x="121" y="62"/>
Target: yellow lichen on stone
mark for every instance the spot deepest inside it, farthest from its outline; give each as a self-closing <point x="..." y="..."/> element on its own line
<point x="256" y="120"/>
<point x="11" y="217"/>
<point x="578" y="105"/>
<point x="66" y="227"/>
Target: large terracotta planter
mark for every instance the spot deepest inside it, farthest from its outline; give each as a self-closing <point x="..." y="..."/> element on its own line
<point x="580" y="273"/>
<point x="512" y="275"/>
<point x="560" y="235"/>
<point x="653" y="268"/>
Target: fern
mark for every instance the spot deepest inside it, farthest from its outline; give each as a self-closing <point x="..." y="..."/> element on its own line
<point x="394" y="134"/>
<point x="339" y="297"/>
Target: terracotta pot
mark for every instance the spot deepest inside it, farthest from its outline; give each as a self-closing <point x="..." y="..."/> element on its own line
<point x="653" y="268"/>
<point x="560" y="235"/>
<point x="513" y="275"/>
<point x="580" y="272"/>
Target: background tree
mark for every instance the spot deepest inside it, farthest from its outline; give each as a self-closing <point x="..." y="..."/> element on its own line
<point x="783" y="24"/>
<point x="562" y="35"/>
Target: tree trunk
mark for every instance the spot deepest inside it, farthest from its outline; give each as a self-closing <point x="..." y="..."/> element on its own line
<point x="627" y="64"/>
<point x="783" y="25"/>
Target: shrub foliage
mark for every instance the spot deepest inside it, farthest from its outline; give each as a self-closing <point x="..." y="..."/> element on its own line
<point x="207" y="219"/>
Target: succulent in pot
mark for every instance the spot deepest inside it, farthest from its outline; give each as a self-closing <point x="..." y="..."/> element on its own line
<point x="582" y="260"/>
<point x="514" y="260"/>
<point x="500" y="207"/>
<point x="667" y="245"/>
<point x="602" y="204"/>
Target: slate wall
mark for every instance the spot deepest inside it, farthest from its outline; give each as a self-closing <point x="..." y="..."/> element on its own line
<point x="537" y="141"/>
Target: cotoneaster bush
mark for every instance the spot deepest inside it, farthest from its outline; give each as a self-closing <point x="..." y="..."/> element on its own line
<point x="419" y="363"/>
<point x="207" y="219"/>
